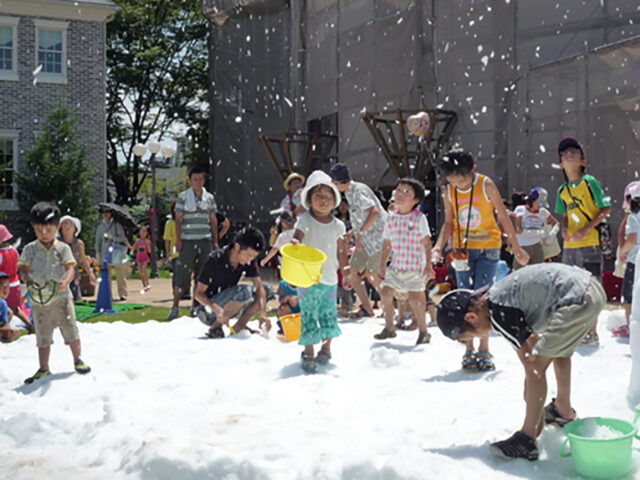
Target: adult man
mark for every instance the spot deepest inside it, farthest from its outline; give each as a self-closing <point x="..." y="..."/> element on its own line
<point x="218" y="292"/>
<point x="368" y="219"/>
<point x="196" y="232"/>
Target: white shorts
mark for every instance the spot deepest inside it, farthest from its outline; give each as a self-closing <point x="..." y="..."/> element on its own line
<point x="403" y="281"/>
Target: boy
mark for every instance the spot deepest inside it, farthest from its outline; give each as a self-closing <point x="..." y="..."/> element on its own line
<point x="7" y="334"/>
<point x="218" y="292"/>
<point x="406" y="232"/>
<point x="544" y="310"/>
<point x="50" y="259"/>
<point x="583" y="205"/>
<point x="469" y="203"/>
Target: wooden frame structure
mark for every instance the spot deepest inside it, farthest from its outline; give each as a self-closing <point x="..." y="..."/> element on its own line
<point x="318" y="145"/>
<point x="408" y="155"/>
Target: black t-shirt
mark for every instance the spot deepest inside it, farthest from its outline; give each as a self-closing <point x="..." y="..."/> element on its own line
<point x="218" y="274"/>
<point x="221" y="218"/>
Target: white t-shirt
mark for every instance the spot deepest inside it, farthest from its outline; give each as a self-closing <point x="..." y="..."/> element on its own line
<point x="532" y="221"/>
<point x="633" y="226"/>
<point x="284" y="238"/>
<point x="323" y="236"/>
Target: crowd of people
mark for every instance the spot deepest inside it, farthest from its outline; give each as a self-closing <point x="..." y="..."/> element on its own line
<point x="545" y="308"/>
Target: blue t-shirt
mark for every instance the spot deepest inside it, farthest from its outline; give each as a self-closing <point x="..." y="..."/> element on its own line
<point x="286" y="290"/>
<point x="4" y="312"/>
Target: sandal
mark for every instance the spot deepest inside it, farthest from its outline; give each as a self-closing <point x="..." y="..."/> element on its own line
<point x="518" y="445"/>
<point x="384" y="334"/>
<point x="215" y="332"/>
<point x="423" y="337"/>
<point x="621" y="332"/>
<point x="485" y="361"/>
<point x="323" y="356"/>
<point x="362" y="313"/>
<point x="470" y="362"/>
<point x="552" y="416"/>
<point x="308" y="363"/>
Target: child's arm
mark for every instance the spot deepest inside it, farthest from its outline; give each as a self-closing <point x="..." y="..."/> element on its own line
<point x="622" y="229"/>
<point x="386" y="251"/>
<point x="298" y="236"/>
<point x="23" y="272"/>
<point x="584" y="231"/>
<point x="565" y="228"/>
<point x="70" y="272"/>
<point x="269" y="256"/>
<point x="445" y="230"/>
<point x="496" y="200"/>
<point x="428" y="270"/>
<point x="629" y="242"/>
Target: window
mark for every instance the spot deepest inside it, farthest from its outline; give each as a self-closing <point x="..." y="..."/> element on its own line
<point x="8" y="162"/>
<point x="51" y="51"/>
<point x="8" y="48"/>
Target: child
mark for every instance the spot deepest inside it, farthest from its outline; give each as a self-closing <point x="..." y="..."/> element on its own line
<point x="70" y="228"/>
<point x="287" y="301"/>
<point x="291" y="202"/>
<point x="583" y="205"/>
<point x="170" y="239"/>
<point x="9" y="265"/>
<point x="7" y="333"/>
<point x="469" y="202"/>
<point x="544" y="311"/>
<point x="287" y="221"/>
<point x="143" y="249"/>
<point x="530" y="221"/>
<point x="48" y="259"/>
<point x="407" y="234"/>
<point x="320" y="229"/>
<point x="628" y="252"/>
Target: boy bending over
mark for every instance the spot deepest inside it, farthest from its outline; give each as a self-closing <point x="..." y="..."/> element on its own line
<point x="544" y="310"/>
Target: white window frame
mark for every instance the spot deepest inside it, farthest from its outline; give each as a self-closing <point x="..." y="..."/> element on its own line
<point x="11" y="204"/>
<point x="11" y="75"/>
<point x="46" y="77"/>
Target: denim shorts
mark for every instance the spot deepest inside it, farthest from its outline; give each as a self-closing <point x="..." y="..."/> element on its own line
<point x="627" y="283"/>
<point x="482" y="268"/>
<point x="244" y="294"/>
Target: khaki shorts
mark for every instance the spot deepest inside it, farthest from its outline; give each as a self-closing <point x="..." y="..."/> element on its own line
<point x="570" y="324"/>
<point x="361" y="261"/>
<point x="60" y="313"/>
<point x="404" y="281"/>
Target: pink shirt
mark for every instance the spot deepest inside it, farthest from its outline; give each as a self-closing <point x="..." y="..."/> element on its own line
<point x="406" y="233"/>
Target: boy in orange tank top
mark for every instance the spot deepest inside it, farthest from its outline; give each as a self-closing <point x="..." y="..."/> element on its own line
<point x="471" y="201"/>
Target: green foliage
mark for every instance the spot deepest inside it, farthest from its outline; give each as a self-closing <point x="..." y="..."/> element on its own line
<point x="56" y="169"/>
<point x="157" y="60"/>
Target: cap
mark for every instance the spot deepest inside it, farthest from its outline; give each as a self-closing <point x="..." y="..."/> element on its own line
<point x="627" y="191"/>
<point x="569" y="142"/>
<point x="452" y="309"/>
<point x="340" y="173"/>
<point x="634" y="191"/>
<point x="541" y="195"/>
<point x="5" y="234"/>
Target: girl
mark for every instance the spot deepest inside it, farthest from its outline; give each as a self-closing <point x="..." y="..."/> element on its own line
<point x="628" y="253"/>
<point x="143" y="249"/>
<point x="320" y="229"/>
<point x="530" y="220"/>
<point x="287" y="221"/>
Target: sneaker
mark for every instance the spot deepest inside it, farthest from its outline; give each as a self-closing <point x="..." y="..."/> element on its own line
<point x="37" y="376"/>
<point x="591" y="340"/>
<point x="518" y="445"/>
<point x="174" y="313"/>
<point x="384" y="334"/>
<point x="81" y="367"/>
<point x="621" y="332"/>
<point x="551" y="415"/>
<point x="423" y="337"/>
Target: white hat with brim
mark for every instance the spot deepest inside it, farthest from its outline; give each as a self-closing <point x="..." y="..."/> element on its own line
<point x="76" y="222"/>
<point x="292" y="177"/>
<point x="318" y="177"/>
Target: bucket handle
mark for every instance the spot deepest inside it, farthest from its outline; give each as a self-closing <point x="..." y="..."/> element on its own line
<point x="562" y="452"/>
<point x="316" y="278"/>
<point x="635" y="420"/>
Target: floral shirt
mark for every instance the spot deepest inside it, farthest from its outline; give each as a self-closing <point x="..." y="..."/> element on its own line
<point x="406" y="233"/>
<point x="361" y="198"/>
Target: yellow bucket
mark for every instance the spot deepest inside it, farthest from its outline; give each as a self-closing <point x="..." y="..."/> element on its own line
<point x="301" y="264"/>
<point x="291" y="326"/>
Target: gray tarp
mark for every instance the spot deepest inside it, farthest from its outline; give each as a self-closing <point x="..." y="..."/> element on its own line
<point x="506" y="67"/>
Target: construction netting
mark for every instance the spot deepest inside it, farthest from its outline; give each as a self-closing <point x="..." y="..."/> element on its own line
<point x="520" y="75"/>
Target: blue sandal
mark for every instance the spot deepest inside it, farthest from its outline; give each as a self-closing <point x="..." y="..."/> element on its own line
<point x="485" y="361"/>
<point x="470" y="362"/>
<point x="308" y="363"/>
<point x="323" y="356"/>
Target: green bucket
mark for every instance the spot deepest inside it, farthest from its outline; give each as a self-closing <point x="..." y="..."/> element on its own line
<point x="600" y="458"/>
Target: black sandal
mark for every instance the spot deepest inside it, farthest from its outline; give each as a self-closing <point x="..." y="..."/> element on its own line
<point x="552" y="416"/>
<point x="215" y="332"/>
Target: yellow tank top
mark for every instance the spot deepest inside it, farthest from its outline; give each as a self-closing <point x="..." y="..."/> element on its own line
<point x="483" y="228"/>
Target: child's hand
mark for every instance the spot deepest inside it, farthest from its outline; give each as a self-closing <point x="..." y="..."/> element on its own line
<point x="521" y="256"/>
<point x="436" y="255"/>
<point x="359" y="242"/>
<point x="63" y="286"/>
<point x="263" y="262"/>
<point x="295" y="241"/>
<point x="565" y="235"/>
<point x="580" y="234"/>
<point x="428" y="273"/>
<point x="383" y="271"/>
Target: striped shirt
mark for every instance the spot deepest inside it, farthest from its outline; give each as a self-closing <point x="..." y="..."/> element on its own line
<point x="196" y="224"/>
<point x="47" y="264"/>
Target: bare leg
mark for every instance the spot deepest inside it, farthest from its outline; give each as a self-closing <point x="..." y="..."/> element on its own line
<point x="627" y="312"/>
<point x="562" y="368"/>
<point x="535" y="392"/>
<point x="361" y="292"/>
<point x="76" y="349"/>
<point x="43" y="357"/>
<point x="484" y="343"/>
<point x="418" y="305"/>
<point x="326" y="344"/>
<point x="386" y="297"/>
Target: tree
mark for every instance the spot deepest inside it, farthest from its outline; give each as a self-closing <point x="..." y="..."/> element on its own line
<point x="57" y="170"/>
<point x="156" y="81"/>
